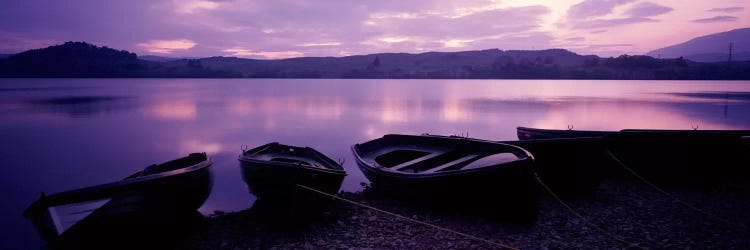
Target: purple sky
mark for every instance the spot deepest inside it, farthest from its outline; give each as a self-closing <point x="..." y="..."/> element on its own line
<point x="286" y="28"/>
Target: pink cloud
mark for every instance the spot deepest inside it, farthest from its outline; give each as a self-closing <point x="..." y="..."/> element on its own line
<point x="283" y="28"/>
<point x="716" y="19"/>
<point x="647" y="9"/>
<point x="240" y="52"/>
<point x="594" y="8"/>
<point x="167" y="46"/>
<point x="592" y="14"/>
<point x="190" y="6"/>
<point x="728" y="9"/>
<point x="320" y="44"/>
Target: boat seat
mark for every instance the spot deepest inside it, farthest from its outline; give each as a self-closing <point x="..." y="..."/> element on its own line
<point x="493" y="159"/>
<point x="447" y="165"/>
<point x="417" y="160"/>
<point x="293" y="161"/>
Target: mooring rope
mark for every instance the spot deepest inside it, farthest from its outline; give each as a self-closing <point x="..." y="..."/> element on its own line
<point x="688" y="205"/>
<point x="580" y="217"/>
<point x="408" y="219"/>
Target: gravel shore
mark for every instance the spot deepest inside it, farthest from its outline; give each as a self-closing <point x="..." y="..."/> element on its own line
<point x="633" y="215"/>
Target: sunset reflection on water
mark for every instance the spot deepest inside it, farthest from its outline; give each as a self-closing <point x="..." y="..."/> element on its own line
<point x="618" y="115"/>
<point x="181" y="110"/>
<point x="101" y="130"/>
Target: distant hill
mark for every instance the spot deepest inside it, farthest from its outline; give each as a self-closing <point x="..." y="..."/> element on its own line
<point x="56" y="61"/>
<point x="710" y="48"/>
<point x="5" y="55"/>
<point x="465" y="64"/>
<point x="78" y="59"/>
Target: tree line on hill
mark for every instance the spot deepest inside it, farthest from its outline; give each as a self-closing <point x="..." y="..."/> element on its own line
<point x="80" y="59"/>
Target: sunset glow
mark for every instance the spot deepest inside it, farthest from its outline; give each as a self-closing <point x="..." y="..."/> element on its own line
<point x="223" y="124"/>
<point x="274" y="30"/>
<point x="167" y="46"/>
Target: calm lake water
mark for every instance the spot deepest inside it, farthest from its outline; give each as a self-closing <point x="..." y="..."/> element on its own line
<point x="60" y="134"/>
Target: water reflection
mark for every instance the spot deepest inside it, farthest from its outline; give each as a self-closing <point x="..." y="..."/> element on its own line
<point x="240" y="107"/>
<point x="326" y="109"/>
<point x="194" y="145"/>
<point x="311" y="108"/>
<point x="47" y="151"/>
<point x="395" y="111"/>
<point x="76" y="106"/>
<point x="620" y="115"/>
<point x="454" y="110"/>
<point x="179" y="110"/>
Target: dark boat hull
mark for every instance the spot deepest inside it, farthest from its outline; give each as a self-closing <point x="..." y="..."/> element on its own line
<point x="570" y="167"/>
<point x="678" y="157"/>
<point x="508" y="187"/>
<point x="129" y="208"/>
<point x="743" y="172"/>
<point x="279" y="183"/>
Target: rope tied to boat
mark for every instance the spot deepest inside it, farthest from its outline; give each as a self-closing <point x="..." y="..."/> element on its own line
<point x="732" y="225"/>
<point x="499" y="245"/>
<point x="580" y="217"/>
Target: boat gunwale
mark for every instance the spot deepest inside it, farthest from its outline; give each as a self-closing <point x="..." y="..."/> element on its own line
<point x="244" y="157"/>
<point x="739" y="132"/>
<point x="552" y="140"/>
<point x="289" y="165"/>
<point x="519" y="128"/>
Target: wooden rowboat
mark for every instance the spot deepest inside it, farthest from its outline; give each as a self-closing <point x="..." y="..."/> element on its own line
<point x="275" y="173"/>
<point x="158" y="192"/>
<point x="453" y="170"/>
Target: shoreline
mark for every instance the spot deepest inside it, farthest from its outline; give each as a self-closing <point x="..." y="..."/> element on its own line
<point x="633" y="211"/>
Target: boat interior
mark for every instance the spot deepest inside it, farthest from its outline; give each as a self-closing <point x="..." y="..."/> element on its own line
<point x="292" y="155"/>
<point x="287" y="158"/>
<point x="425" y="159"/>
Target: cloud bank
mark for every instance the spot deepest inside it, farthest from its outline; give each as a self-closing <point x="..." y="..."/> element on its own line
<point x="728" y="9"/>
<point x="272" y="29"/>
<point x="716" y="19"/>
<point x="597" y="14"/>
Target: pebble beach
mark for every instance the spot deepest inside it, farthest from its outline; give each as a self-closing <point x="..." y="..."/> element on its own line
<point x="621" y="214"/>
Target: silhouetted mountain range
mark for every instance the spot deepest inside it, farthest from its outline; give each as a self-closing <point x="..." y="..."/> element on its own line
<point x="79" y="59"/>
<point x="710" y="48"/>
